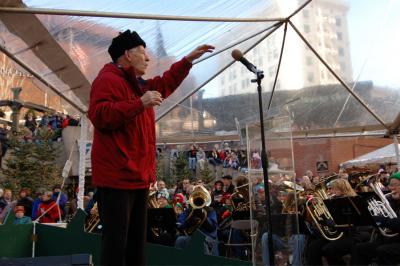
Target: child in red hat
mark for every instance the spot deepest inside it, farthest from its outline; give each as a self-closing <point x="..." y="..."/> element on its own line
<point x="20" y="217"/>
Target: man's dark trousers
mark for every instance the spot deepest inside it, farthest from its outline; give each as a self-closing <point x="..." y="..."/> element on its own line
<point x="123" y="214"/>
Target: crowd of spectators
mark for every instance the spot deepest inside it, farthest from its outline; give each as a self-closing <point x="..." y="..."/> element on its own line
<point x="53" y="123"/>
<point x="46" y="206"/>
<point x="230" y="161"/>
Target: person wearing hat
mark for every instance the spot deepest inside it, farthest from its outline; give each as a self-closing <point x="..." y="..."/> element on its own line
<point x="20" y="217"/>
<point x="123" y="150"/>
<point x="63" y="198"/>
<point x="162" y="199"/>
<point x="385" y="249"/>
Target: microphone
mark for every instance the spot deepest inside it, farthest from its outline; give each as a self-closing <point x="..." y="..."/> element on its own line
<point x="238" y="56"/>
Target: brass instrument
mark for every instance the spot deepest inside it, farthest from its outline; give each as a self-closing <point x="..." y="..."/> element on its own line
<point x="198" y="200"/>
<point x="320" y="214"/>
<point x="93" y="221"/>
<point x="152" y="202"/>
<point x="381" y="207"/>
<point x="241" y="198"/>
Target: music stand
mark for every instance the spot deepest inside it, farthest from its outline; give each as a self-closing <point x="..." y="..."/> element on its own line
<point x="163" y="219"/>
<point x="348" y="212"/>
<point x="286" y="224"/>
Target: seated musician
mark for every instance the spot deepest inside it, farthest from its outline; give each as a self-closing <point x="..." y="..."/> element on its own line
<point x="319" y="247"/>
<point x="296" y="240"/>
<point x="191" y="219"/>
<point x="385" y="249"/>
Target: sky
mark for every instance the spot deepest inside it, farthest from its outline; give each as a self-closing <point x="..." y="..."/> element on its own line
<point x="374" y="40"/>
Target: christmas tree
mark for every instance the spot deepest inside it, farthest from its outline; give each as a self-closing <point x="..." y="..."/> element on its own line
<point x="32" y="164"/>
<point x="206" y="175"/>
<point x="181" y="167"/>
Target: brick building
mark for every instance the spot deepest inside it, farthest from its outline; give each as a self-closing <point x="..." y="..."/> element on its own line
<point x="308" y="152"/>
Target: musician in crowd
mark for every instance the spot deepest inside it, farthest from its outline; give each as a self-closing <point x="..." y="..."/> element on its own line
<point x="319" y="247"/>
<point x="204" y="219"/>
<point x="228" y="186"/>
<point x="297" y="240"/>
<point x="385" y="249"/>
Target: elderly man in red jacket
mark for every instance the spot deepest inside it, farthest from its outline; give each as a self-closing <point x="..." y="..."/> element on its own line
<point x="123" y="152"/>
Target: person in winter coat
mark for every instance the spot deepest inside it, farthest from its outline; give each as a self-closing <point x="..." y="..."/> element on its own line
<point x="25" y="200"/>
<point x="20" y="217"/>
<point x="123" y="151"/>
<point x="49" y="209"/>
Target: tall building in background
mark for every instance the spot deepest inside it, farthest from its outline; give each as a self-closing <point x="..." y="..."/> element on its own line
<point x="324" y="25"/>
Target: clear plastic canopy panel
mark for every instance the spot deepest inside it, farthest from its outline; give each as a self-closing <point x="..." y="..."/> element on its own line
<point x="355" y="48"/>
<point x="286" y="218"/>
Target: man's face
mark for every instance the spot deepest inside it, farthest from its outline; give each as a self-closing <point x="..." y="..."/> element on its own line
<point x="7" y="195"/>
<point x="138" y="59"/>
<point x="19" y="214"/>
<point x="161" y="185"/>
<point x="46" y="197"/>
<point x="185" y="183"/>
<point x="394" y="186"/>
<point x="226" y="181"/>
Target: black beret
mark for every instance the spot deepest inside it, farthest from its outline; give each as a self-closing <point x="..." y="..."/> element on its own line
<point x="124" y="41"/>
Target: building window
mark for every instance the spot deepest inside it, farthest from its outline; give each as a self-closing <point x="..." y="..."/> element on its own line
<point x="306" y="13"/>
<point x="222" y="80"/>
<point x="342" y="66"/>
<point x="339" y="36"/>
<point x="306" y="28"/>
<point x="260" y="61"/>
<point x="310" y="77"/>
<point x="232" y="74"/>
<point x="234" y="88"/>
<point x="338" y="22"/>
<point x="341" y="51"/>
<point x="243" y="84"/>
<point x="309" y="61"/>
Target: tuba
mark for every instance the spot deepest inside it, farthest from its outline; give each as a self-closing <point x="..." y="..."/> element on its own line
<point x="320" y="214"/>
<point x="198" y="200"/>
<point x="381" y="207"/>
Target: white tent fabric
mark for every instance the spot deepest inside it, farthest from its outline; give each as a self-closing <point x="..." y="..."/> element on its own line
<point x="383" y="155"/>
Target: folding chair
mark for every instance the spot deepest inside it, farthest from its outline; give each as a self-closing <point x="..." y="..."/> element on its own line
<point x="244" y="226"/>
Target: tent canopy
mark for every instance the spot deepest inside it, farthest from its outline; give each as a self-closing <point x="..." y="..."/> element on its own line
<point x="326" y="63"/>
<point x="385" y="155"/>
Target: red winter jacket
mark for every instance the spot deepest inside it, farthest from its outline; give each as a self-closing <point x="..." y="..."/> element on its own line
<point x="52" y="216"/>
<point x="123" y="150"/>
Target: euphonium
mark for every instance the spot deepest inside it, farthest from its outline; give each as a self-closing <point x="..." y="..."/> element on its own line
<point x="241" y="194"/>
<point x="321" y="216"/>
<point x="381" y="207"/>
<point x="198" y="200"/>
